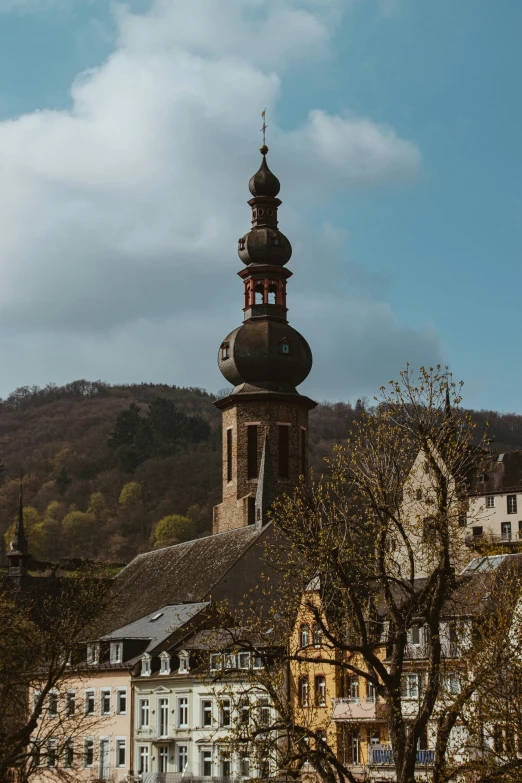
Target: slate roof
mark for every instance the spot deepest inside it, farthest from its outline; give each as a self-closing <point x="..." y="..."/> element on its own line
<point x="157" y="625"/>
<point x="503" y="474"/>
<point x="224" y="565"/>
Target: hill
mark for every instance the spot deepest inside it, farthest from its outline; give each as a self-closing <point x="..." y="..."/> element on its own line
<point x="103" y="464"/>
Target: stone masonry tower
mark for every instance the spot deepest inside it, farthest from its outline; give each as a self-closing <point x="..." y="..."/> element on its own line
<point x="265" y="419"/>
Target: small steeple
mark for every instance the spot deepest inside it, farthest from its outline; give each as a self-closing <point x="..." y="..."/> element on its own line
<point x="18" y="555"/>
<point x="266" y="487"/>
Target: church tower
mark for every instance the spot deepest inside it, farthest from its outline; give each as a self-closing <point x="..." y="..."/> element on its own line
<point x="265" y="419"/>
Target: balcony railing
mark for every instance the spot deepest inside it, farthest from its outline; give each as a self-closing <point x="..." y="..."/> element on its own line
<point x="351" y="709"/>
<point x="178" y="777"/>
<point x="381" y="757"/>
<point x="514" y="538"/>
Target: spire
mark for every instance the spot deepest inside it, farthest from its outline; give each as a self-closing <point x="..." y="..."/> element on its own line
<point x="266" y="488"/>
<point x="19" y="542"/>
<point x="19" y="554"/>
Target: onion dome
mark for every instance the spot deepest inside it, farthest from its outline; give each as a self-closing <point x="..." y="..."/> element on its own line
<point x="265" y="354"/>
<point x="264" y="245"/>
<point x="264" y="183"/>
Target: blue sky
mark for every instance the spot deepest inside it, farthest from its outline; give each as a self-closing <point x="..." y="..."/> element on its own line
<point x="394" y="127"/>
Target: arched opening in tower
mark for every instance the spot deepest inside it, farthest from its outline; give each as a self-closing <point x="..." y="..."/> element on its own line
<point x="259" y="294"/>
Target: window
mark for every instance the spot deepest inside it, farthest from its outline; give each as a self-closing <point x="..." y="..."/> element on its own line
<point x="244" y="711"/>
<point x="226" y="766"/>
<point x="490" y="501"/>
<point x="229" y="661"/>
<point x="264" y="712"/>
<point x="121" y="701"/>
<point x="224" y="713"/>
<point x="93" y="654"/>
<point x="229" y="454"/>
<point x="258" y="662"/>
<point x="303" y="452"/>
<point x="143" y="713"/>
<point x="105" y="701"/>
<point x="415" y="635"/>
<point x="463" y="520"/>
<point x="259" y="293"/>
<point x="303" y="691"/>
<point x="284" y="439"/>
<point x="284" y="347"/>
<point x="52" y="753"/>
<point x="356" y="747"/>
<point x="477" y="532"/>
<point x="36" y="752"/>
<point x="418" y="494"/>
<point x="320" y="690"/>
<point x="410" y="686"/>
<point x="181" y="758"/>
<point x="374" y="736"/>
<point x="272" y="292"/>
<point x="143" y="758"/>
<point x="370" y="691"/>
<point x="252" y="466"/>
<point x="145" y="665"/>
<point x="163" y="760"/>
<point x="89" y="702"/>
<point x="206" y="712"/>
<point x="512" y="504"/>
<point x="70" y="704"/>
<point x="68" y="754"/>
<point x="354" y="687"/>
<point x="182" y="712"/>
<point x="224" y="351"/>
<point x="165" y="663"/>
<point x="184" y="663"/>
<point x="243" y="660"/>
<point x="52" y="704"/>
<point x="88" y="752"/>
<point x="206" y="763"/>
<point x="318" y="637"/>
<point x="244" y="764"/>
<point x="216" y="662"/>
<point x="304" y="635"/>
<point x="505" y="531"/>
<point x="163" y="717"/>
<point x="116" y="655"/>
<point x="120" y="753"/>
<point x="451" y="683"/>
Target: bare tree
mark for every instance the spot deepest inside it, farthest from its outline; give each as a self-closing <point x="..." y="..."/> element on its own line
<point x="361" y="561"/>
<point x="42" y="627"/>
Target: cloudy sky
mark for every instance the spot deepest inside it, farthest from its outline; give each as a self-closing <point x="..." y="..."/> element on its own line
<point x="128" y="133"/>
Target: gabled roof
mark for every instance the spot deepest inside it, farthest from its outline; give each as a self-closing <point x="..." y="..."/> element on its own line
<point x="157" y="625"/>
<point x="503" y="474"/>
<point x="224" y="565"/>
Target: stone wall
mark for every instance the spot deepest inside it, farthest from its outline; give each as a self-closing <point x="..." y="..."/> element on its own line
<point x="268" y="415"/>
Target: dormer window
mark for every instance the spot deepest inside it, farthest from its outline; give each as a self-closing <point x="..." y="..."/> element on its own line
<point x="276" y="240"/>
<point x="241" y="244"/>
<point x="165" y="663"/>
<point x="184" y="662"/>
<point x="116" y="652"/>
<point x="284" y="347"/>
<point x="93" y="654"/>
<point x="224" y="350"/>
<point x="145" y="665"/>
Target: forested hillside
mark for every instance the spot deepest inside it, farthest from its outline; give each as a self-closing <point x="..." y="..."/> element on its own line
<point x="103" y="464"/>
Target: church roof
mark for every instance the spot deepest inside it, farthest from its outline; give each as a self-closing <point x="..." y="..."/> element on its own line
<point x="224" y="565"/>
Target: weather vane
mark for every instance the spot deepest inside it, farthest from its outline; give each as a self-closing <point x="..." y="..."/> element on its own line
<point x="265" y="126"/>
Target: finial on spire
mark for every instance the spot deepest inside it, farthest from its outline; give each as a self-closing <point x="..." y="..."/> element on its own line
<point x="264" y="149"/>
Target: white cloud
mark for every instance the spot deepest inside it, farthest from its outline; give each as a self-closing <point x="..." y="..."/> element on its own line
<point x="120" y="216"/>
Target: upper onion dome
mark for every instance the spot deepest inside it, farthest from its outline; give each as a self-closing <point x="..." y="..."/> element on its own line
<point x="264" y="245"/>
<point x="264" y="183"/>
